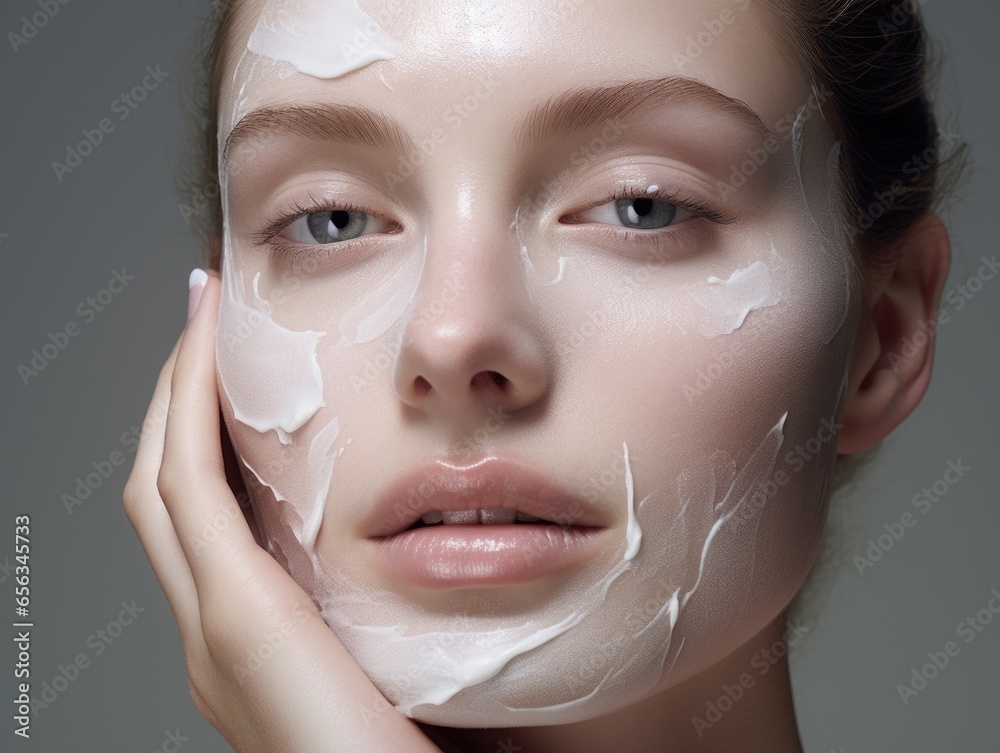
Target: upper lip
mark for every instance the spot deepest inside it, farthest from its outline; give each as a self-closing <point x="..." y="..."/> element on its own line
<point x="445" y="484"/>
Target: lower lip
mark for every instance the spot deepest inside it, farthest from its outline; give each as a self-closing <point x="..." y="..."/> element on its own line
<point x="462" y="556"/>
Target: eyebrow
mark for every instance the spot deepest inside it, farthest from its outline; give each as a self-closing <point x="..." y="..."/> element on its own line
<point x="570" y="111"/>
<point x="589" y="107"/>
<point x="348" y="124"/>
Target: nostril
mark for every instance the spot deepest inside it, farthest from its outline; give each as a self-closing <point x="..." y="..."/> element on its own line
<point x="421" y="386"/>
<point x="485" y="378"/>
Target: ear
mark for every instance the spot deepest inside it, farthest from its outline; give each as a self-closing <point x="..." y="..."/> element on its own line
<point x="894" y="344"/>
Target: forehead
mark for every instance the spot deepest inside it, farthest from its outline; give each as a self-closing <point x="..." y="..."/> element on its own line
<point x="453" y="57"/>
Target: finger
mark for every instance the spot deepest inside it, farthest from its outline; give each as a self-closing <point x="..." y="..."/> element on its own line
<point x="149" y="518"/>
<point x="192" y="480"/>
<point x="150" y="450"/>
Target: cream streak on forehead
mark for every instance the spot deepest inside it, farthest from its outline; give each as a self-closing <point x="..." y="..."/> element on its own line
<point x="321" y="38"/>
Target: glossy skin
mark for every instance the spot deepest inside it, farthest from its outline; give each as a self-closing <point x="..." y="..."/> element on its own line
<point x="570" y="413"/>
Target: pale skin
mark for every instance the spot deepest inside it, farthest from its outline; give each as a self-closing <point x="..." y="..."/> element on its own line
<point x="229" y="595"/>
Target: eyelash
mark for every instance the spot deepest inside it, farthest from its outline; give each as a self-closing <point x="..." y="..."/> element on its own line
<point x="266" y="237"/>
<point x="688" y="202"/>
<point x="655" y="236"/>
<point x="700" y="209"/>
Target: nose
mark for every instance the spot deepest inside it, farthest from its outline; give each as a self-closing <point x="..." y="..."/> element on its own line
<point x="471" y="341"/>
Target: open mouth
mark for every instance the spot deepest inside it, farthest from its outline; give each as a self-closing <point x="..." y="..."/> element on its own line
<point x="510" y="495"/>
<point x="492" y="516"/>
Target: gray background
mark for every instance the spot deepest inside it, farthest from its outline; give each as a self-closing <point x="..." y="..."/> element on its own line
<point x="61" y="241"/>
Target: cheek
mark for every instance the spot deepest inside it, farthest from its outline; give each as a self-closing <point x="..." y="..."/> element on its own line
<point x="697" y="412"/>
<point x="300" y="350"/>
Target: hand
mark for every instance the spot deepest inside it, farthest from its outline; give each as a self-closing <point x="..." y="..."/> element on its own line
<point x="263" y="667"/>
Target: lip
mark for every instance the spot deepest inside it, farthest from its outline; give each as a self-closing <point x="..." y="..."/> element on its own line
<point x="462" y="555"/>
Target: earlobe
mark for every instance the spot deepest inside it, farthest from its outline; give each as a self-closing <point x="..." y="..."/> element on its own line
<point x="894" y="344"/>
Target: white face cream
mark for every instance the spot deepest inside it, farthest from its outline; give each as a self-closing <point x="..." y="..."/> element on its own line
<point x="320" y="38"/>
<point x="270" y="374"/>
<point x="728" y="302"/>
<point x="718" y="494"/>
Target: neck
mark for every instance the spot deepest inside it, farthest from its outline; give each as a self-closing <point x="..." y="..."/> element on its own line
<point x="700" y="714"/>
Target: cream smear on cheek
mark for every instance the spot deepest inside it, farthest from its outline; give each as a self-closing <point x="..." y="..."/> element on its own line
<point x="270" y="374"/>
<point x="472" y="670"/>
<point x="453" y="662"/>
<point x="727" y="302"/>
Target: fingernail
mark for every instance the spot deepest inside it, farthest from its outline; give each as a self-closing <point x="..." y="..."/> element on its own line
<point x="196" y="286"/>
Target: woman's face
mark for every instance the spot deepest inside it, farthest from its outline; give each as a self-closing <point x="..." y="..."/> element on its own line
<point x="572" y="257"/>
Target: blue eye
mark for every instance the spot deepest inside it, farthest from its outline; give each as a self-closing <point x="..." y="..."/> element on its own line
<point x="645" y="212"/>
<point x="335" y="226"/>
<point x="641" y="212"/>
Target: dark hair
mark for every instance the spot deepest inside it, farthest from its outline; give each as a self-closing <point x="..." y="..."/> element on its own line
<point x="873" y="57"/>
<point x="871" y="54"/>
<point x="199" y="174"/>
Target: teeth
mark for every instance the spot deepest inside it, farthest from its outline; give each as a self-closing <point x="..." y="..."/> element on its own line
<point x="453" y="517"/>
<point x="498" y="515"/>
<point x="491" y="516"/>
